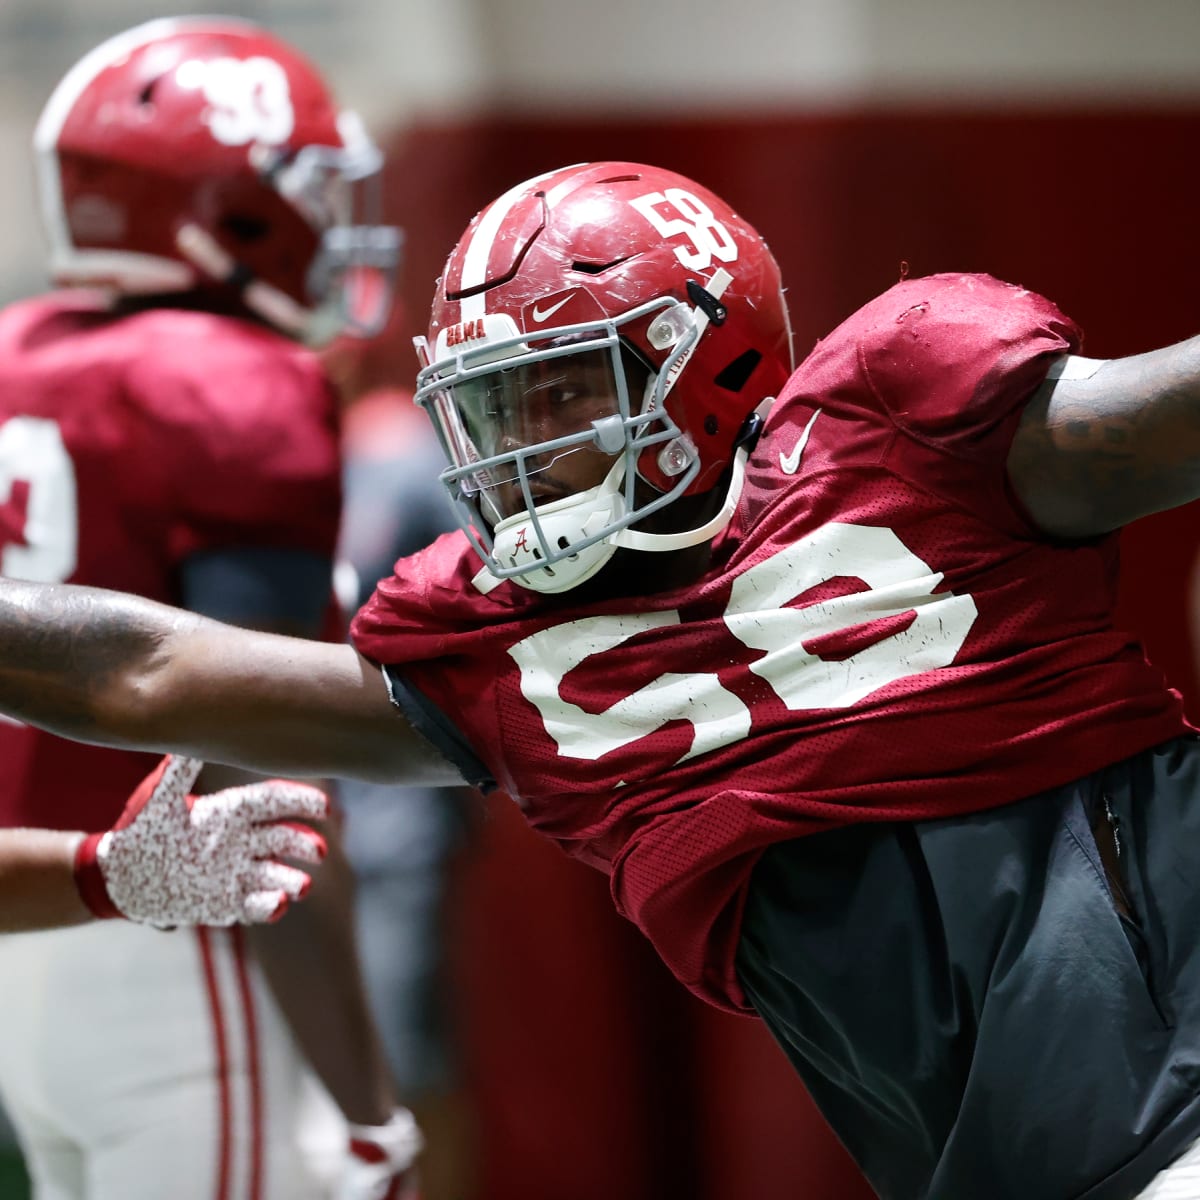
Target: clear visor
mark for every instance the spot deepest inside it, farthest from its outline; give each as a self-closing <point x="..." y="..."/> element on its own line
<point x="527" y="424"/>
<point x="540" y="429"/>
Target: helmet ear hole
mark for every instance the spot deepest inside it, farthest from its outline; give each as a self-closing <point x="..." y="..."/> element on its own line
<point x="733" y="376"/>
<point x="244" y="228"/>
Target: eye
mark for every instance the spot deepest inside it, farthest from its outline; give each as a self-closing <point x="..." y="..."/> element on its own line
<point x="560" y="393"/>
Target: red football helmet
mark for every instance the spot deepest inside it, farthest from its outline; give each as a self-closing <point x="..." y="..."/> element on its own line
<point x="609" y="309"/>
<point x="204" y="154"/>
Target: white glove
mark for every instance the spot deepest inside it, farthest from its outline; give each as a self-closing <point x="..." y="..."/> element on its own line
<point x="381" y="1161"/>
<point x="176" y="859"/>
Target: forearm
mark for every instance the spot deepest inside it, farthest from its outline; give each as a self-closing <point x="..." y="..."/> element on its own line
<point x="37" y="880"/>
<point x="311" y="964"/>
<point x="104" y="667"/>
<point x="77" y="660"/>
<point x="1094" y="453"/>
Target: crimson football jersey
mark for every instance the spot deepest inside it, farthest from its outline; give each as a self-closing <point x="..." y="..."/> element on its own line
<point x="881" y="634"/>
<point x="128" y="444"/>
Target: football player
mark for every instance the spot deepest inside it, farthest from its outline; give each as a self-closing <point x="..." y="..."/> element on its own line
<point x="818" y="664"/>
<point x="166" y="428"/>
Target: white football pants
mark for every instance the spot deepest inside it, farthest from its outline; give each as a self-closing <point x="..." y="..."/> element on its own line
<point x="138" y="1064"/>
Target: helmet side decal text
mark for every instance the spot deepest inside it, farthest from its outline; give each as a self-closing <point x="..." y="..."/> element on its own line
<point x="695" y="221"/>
<point x="465" y="331"/>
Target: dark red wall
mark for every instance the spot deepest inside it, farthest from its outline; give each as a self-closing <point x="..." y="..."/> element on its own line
<point x="594" y="1074"/>
<point x="1094" y="209"/>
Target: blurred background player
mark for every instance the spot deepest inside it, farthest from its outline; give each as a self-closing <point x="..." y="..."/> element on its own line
<point x="167" y="430"/>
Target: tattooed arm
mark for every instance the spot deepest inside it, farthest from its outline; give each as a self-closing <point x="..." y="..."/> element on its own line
<point x="105" y="667"/>
<point x="1109" y="442"/>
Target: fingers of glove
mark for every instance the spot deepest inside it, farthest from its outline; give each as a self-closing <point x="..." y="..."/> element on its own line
<point x="164" y="790"/>
<point x="273" y="887"/>
<point x="286" y="839"/>
<point x="275" y="800"/>
<point x="264" y="908"/>
<point x="278" y="877"/>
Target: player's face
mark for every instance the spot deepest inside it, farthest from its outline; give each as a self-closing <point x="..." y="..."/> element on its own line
<point x="547" y="409"/>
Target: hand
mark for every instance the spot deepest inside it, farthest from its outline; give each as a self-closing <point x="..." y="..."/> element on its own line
<point x="381" y="1162"/>
<point x="177" y="859"/>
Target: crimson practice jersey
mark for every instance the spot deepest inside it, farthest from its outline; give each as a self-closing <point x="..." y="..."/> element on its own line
<point x="881" y="634"/>
<point x="127" y="445"/>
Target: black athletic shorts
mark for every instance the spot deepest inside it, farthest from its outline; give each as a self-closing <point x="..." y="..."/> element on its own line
<point x="1004" y="1006"/>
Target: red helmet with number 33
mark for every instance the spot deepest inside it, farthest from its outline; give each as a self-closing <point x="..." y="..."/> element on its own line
<point x="204" y="154"/>
<point x="607" y="309"/>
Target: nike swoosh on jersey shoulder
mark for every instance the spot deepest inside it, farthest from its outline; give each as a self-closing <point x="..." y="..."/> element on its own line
<point x="789" y="463"/>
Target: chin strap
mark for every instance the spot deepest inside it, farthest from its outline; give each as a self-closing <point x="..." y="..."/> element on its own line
<point x="632" y="539"/>
<point x="203" y="252"/>
<point x="589" y="561"/>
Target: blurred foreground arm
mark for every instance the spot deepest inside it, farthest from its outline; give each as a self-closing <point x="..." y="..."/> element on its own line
<point x="171" y="859"/>
<point x="1103" y="443"/>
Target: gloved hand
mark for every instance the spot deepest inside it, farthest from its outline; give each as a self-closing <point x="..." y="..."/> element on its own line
<point x="177" y="859"/>
<point x="381" y="1163"/>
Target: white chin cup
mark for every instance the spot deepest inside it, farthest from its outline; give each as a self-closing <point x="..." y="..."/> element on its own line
<point x="563" y="523"/>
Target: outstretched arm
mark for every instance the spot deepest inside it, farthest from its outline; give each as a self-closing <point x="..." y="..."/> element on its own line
<point x="1110" y="441"/>
<point x="110" y="668"/>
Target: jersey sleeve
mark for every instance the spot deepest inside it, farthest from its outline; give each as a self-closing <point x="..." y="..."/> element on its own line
<point x="953" y="359"/>
<point x="433" y="635"/>
<point x="410" y="613"/>
<point x="932" y="378"/>
<point x="243" y="429"/>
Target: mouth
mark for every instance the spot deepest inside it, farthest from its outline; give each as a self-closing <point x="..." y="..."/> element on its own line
<point x="541" y="489"/>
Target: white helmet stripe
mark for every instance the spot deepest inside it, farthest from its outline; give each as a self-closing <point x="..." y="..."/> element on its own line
<point x="479" y="250"/>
